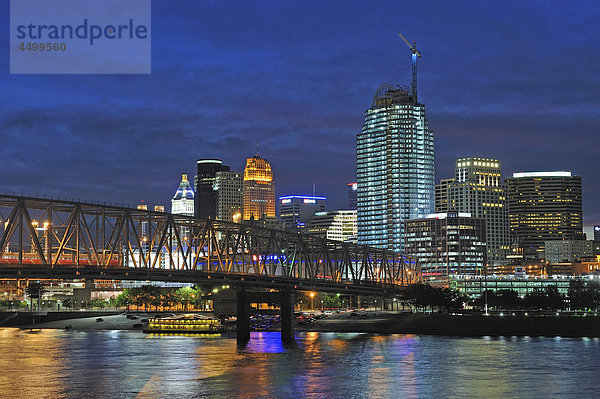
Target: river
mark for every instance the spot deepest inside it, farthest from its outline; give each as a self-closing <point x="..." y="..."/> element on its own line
<point x="129" y="364"/>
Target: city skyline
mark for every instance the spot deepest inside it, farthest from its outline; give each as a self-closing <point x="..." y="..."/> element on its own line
<point x="509" y="83"/>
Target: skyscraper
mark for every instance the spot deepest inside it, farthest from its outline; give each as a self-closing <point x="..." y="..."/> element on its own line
<point x="478" y="189"/>
<point x="259" y="189"/>
<point x="395" y="168"/>
<point x="544" y="206"/>
<point x="183" y="200"/>
<point x="206" y="196"/>
<point x="230" y="196"/>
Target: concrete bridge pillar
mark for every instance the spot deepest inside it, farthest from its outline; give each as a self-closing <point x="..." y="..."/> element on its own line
<point x="287" y="315"/>
<point x="243" y="317"/>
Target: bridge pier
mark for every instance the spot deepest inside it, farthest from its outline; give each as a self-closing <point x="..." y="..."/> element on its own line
<point x="243" y="317"/>
<point x="287" y="315"/>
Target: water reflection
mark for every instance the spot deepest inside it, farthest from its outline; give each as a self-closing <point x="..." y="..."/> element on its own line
<point x="107" y="364"/>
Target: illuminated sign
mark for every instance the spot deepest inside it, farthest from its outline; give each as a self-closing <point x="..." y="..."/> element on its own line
<point x="309" y="201"/>
<point x="355" y="186"/>
<point x="597" y="228"/>
<point x="286" y="201"/>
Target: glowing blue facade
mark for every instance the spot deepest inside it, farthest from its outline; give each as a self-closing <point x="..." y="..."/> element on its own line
<point x="395" y="168"/>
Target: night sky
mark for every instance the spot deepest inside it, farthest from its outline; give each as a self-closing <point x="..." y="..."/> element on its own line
<point x="517" y="81"/>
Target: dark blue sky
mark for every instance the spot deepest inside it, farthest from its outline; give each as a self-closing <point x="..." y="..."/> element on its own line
<point x="518" y="81"/>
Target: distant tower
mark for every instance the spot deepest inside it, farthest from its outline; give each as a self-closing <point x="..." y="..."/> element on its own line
<point x="183" y="200"/>
<point x="205" y="193"/>
<point x="230" y="198"/>
<point x="352" y="190"/>
<point x="259" y="189"/>
<point x="478" y="189"/>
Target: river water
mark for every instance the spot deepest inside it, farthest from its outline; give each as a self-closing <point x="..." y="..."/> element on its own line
<point x="129" y="364"/>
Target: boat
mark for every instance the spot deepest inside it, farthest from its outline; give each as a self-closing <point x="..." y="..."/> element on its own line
<point x="185" y="324"/>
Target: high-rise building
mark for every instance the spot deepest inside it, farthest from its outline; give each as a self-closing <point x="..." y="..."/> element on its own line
<point x="352" y="191"/>
<point x="183" y="200"/>
<point x="295" y="211"/>
<point x="395" y="168"/>
<point x="336" y="225"/>
<point x="447" y="244"/>
<point x="596" y="233"/>
<point x="259" y="189"/>
<point x="477" y="188"/>
<point x="544" y="206"/>
<point x="230" y="196"/>
<point x="206" y="196"/>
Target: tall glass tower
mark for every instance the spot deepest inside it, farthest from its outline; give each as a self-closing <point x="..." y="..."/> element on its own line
<point x="395" y="168"/>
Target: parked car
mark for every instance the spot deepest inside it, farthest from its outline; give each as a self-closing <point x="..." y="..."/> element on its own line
<point x="99" y="319"/>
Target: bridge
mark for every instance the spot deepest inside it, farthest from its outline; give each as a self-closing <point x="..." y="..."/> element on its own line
<point x="61" y="239"/>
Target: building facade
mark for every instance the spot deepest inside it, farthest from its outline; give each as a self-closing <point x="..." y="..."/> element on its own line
<point x="477" y="188"/>
<point x="295" y="211"/>
<point x="395" y="168"/>
<point x="556" y="251"/>
<point x="259" y="189"/>
<point x="442" y="195"/>
<point x="336" y="225"/>
<point x="206" y="196"/>
<point x="182" y="202"/>
<point x="544" y="206"/>
<point x="446" y="244"/>
<point x="230" y="196"/>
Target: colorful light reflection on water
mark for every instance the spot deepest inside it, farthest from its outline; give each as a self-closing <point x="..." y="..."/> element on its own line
<point x="124" y="364"/>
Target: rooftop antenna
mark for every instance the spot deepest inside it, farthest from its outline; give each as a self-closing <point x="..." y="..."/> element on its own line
<point x="257" y="149"/>
<point x="314" y="190"/>
<point x="415" y="54"/>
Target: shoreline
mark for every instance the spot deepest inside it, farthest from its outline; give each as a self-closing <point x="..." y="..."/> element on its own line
<point x="376" y="322"/>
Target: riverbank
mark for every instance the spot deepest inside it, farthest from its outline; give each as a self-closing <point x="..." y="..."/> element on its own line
<point x="19" y="319"/>
<point x="377" y="322"/>
<point x="463" y="325"/>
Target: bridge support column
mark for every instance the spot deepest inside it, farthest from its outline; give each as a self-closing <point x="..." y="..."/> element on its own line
<point x="287" y="315"/>
<point x="243" y="317"/>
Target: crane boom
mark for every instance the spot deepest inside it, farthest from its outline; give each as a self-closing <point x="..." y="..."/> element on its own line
<point x="415" y="54"/>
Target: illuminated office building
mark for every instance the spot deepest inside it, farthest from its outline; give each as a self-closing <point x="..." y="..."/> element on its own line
<point x="230" y="196"/>
<point x="447" y="244"/>
<point x="544" y="206"/>
<point x="395" y="168"/>
<point x="336" y="225"/>
<point x="295" y="211"/>
<point x="183" y="200"/>
<point x="206" y="196"/>
<point x="259" y="189"/>
<point x="477" y="188"/>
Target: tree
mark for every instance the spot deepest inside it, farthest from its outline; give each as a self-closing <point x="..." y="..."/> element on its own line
<point x="35" y="290"/>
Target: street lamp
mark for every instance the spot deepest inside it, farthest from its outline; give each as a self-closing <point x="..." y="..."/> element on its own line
<point x="312" y="295"/>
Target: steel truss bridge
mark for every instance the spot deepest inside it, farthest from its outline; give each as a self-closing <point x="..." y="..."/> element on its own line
<point x="60" y="239"/>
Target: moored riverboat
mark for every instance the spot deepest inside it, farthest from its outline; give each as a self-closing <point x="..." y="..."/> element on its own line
<point x="186" y="324"/>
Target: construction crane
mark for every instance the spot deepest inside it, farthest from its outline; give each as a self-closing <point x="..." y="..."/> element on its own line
<point x="415" y="54"/>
